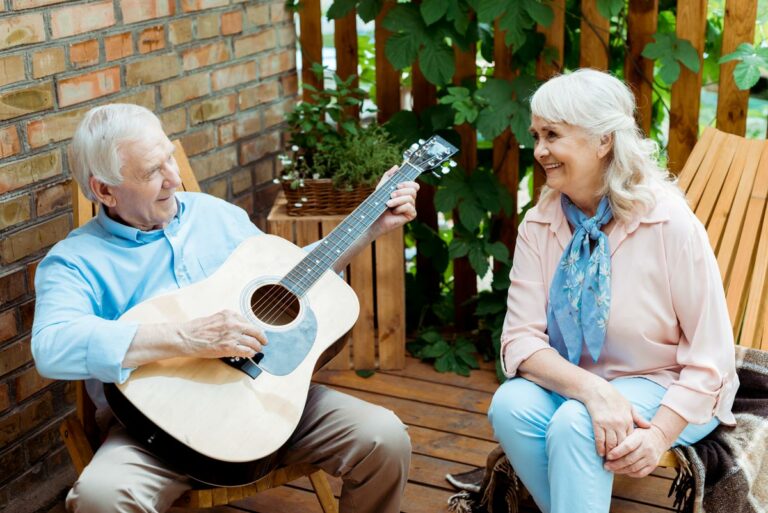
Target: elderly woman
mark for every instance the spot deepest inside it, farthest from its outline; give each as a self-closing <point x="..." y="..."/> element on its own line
<point x="617" y="342"/>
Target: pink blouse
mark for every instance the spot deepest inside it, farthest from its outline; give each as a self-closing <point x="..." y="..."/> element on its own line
<point x="668" y="322"/>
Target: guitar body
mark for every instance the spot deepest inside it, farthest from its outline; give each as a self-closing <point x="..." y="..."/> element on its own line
<point x="220" y="421"/>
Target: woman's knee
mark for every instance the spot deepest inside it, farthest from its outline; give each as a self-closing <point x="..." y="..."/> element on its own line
<point x="571" y="419"/>
<point x="518" y="402"/>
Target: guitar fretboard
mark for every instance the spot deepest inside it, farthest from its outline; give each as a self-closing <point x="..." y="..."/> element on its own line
<point x="304" y="275"/>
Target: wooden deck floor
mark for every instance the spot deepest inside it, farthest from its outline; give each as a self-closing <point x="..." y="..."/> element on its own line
<point x="446" y="416"/>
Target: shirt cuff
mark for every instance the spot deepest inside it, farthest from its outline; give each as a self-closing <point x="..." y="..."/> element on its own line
<point x="694" y="406"/>
<point x="107" y="350"/>
<point x="515" y="352"/>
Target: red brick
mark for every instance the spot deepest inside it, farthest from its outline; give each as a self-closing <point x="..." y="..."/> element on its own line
<point x="52" y="199"/>
<point x="153" y="69"/>
<point x="24" y="172"/>
<point x="145" y="98"/>
<point x="118" y="46"/>
<point x="8" y="329"/>
<point x="71" y="21"/>
<point x="245" y="202"/>
<point x="290" y="84"/>
<point x="14" y="211"/>
<point x="9" y="141"/>
<point x="152" y="39"/>
<point x="200" y="141"/>
<point x="247" y="123"/>
<point x="275" y="114"/>
<point x="226" y="133"/>
<point x="199" y="5"/>
<point x="183" y="89"/>
<point x="140" y="10"/>
<point x="11" y="69"/>
<point x="217" y="188"/>
<point x="231" y="22"/>
<point x="23" y="243"/>
<point x="257" y="15"/>
<point x="89" y="86"/>
<point x="286" y="35"/>
<point x="180" y="31"/>
<point x="12" y="286"/>
<point x="29" y="4"/>
<point x="174" y="121"/>
<point x="54" y="128"/>
<point x="212" y="108"/>
<point x="12" y="462"/>
<point x="233" y="75"/>
<point x="262" y="93"/>
<point x="26" y="101"/>
<point x="47" y="62"/>
<point x="264" y="171"/>
<point x="206" y="55"/>
<point x="278" y="12"/>
<point x="29" y="382"/>
<point x="21" y="30"/>
<point x="27" y="315"/>
<point x="242" y="181"/>
<point x="85" y="53"/>
<point x="36" y="412"/>
<point x="31" y="270"/>
<point x="5" y="397"/>
<point x="277" y="63"/>
<point x="259" y="42"/>
<point x="215" y="163"/>
<point x="207" y="25"/>
<point x="257" y="148"/>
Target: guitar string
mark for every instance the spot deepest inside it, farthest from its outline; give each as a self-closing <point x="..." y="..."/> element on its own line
<point x="325" y="260"/>
<point x="282" y="298"/>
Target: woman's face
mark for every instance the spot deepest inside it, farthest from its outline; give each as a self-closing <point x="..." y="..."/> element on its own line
<point x="573" y="160"/>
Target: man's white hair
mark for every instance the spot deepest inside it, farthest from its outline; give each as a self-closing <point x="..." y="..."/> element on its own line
<point x="96" y="143"/>
<point x="603" y="105"/>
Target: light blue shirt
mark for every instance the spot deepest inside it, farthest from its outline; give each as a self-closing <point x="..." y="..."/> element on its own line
<point x="89" y="279"/>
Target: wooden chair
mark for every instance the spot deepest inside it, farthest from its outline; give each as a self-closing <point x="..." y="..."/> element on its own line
<point x="726" y="182"/>
<point x="81" y="435"/>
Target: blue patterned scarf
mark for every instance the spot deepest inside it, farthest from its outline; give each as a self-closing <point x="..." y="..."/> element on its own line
<point x="580" y="293"/>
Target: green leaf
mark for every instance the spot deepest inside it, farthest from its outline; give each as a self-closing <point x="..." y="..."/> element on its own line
<point x="401" y="50"/>
<point x="406" y="18"/>
<point x="458" y="248"/>
<point x="671" y="52"/>
<point x="437" y="62"/>
<point x="489" y="10"/>
<point x="471" y="215"/>
<point x="340" y="8"/>
<point x="403" y="126"/>
<point x="752" y="61"/>
<point x="498" y="251"/>
<point x="433" y="10"/>
<point x="478" y="259"/>
<point x="365" y="373"/>
<point x="609" y="8"/>
<point x="489" y="305"/>
<point x="446" y="198"/>
<point x="541" y="13"/>
<point x="486" y="187"/>
<point x="746" y="75"/>
<point x="369" y="9"/>
<point x="436" y="349"/>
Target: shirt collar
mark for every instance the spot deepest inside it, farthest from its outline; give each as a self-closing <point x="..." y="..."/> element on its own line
<point x="130" y="233"/>
<point x="551" y="213"/>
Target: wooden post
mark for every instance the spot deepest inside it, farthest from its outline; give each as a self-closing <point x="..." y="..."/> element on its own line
<point x="464" y="278"/>
<point x="390" y="300"/>
<point x="387" y="77"/>
<point x="638" y="71"/>
<point x="506" y="151"/>
<point x="684" y="115"/>
<point x="738" y="27"/>
<point x="345" y="41"/>
<point x="311" y="43"/>
<point x="595" y="30"/>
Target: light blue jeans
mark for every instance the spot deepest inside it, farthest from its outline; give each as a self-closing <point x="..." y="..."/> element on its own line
<point x="551" y="445"/>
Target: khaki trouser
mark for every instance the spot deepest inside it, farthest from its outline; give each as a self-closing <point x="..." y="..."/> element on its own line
<point x="365" y="444"/>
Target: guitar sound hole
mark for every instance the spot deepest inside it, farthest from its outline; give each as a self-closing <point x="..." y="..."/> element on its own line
<point x="275" y="305"/>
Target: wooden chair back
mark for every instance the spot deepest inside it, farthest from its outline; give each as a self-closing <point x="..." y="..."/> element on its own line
<point x="81" y="434"/>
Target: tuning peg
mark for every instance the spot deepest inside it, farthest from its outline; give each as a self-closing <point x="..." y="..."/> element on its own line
<point x="414" y="147"/>
<point x="421" y="141"/>
<point x="452" y="163"/>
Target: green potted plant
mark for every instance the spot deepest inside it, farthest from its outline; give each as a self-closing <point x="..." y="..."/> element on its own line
<point x="334" y="162"/>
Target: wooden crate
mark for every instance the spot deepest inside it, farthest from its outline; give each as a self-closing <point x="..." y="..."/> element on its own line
<point x="377" y="274"/>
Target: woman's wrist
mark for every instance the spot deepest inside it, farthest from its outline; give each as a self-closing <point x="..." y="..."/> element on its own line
<point x="664" y="437"/>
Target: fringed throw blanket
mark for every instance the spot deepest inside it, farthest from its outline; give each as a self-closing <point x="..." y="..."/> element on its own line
<point x="727" y="472"/>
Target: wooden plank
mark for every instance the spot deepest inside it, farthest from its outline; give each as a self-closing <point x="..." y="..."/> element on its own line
<point x="699" y="178"/>
<point x="648" y="490"/>
<point x="738" y="27"/>
<point x="595" y="29"/>
<point x="710" y="190"/>
<point x="688" y="173"/>
<point x="449" y="446"/>
<point x="387" y="77"/>
<point x="408" y="388"/>
<point x="755" y="311"/>
<point x="342" y="361"/>
<point x="311" y="40"/>
<point x="638" y="71"/>
<point x="345" y="41"/>
<point x="363" y="334"/>
<point x="307" y="231"/>
<point x="684" y="114"/>
<point x="188" y="178"/>
<point x="480" y="380"/>
<point x="624" y="506"/>
<point x="390" y="299"/>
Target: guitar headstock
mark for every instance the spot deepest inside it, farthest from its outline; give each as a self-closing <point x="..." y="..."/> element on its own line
<point x="429" y="154"/>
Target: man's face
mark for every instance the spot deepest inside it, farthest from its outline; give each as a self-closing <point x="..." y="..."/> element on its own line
<point x="145" y="199"/>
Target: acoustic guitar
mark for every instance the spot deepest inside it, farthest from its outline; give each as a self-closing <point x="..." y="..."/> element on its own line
<point x="225" y="421"/>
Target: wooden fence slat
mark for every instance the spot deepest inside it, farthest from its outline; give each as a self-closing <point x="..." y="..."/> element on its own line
<point x="684" y="115"/>
<point x="345" y="41"/>
<point x="387" y="77"/>
<point x="390" y="298"/>
<point x="638" y="71"/>
<point x="363" y="332"/>
<point x="342" y="360"/>
<point x="755" y="310"/>
<point x="595" y="29"/>
<point x="311" y="39"/>
<point x="738" y="27"/>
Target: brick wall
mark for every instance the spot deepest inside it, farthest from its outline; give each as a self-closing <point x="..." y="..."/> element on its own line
<point x="219" y="73"/>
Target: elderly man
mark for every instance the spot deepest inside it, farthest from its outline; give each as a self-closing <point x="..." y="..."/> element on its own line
<point x="148" y="239"/>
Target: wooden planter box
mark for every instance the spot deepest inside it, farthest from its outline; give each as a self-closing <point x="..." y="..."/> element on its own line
<point x="377" y="275"/>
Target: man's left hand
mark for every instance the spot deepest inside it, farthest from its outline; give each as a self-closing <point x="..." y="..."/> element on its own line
<point x="639" y="453"/>
<point x="402" y="205"/>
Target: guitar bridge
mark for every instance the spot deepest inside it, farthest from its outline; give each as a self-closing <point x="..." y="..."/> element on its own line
<point x="249" y="366"/>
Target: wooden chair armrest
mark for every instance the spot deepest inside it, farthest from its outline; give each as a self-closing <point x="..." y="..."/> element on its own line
<point x="77" y="443"/>
<point x="668" y="459"/>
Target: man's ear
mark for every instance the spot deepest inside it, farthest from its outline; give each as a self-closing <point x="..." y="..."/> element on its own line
<point x="102" y="191"/>
<point x="605" y="146"/>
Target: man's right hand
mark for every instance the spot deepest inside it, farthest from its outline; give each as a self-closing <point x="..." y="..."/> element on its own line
<point x="222" y="334"/>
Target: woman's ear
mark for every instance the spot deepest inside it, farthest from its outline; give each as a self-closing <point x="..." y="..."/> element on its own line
<point x="102" y="191"/>
<point x="605" y="146"/>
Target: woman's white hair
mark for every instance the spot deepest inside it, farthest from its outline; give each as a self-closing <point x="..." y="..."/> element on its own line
<point x="603" y="105"/>
<point x="96" y="143"/>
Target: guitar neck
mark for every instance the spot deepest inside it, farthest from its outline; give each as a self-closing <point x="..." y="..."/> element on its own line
<point x="323" y="257"/>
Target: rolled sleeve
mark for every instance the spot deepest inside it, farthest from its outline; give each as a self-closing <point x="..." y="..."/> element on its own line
<point x="525" y="324"/>
<point x="705" y="350"/>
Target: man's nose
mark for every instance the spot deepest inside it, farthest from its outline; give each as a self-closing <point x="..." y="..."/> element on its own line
<point x="172" y="178"/>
